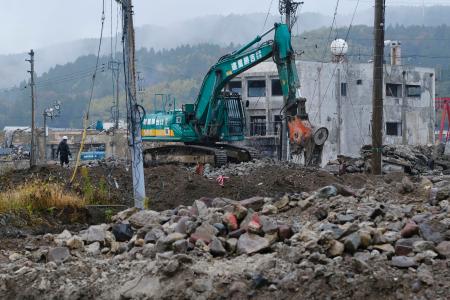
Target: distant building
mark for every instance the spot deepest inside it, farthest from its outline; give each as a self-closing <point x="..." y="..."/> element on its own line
<point x="339" y="97"/>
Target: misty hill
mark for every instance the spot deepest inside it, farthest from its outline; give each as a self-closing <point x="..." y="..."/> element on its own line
<point x="220" y="30"/>
<point x="179" y="71"/>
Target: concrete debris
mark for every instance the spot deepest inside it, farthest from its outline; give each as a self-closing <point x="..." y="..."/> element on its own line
<point x="379" y="238"/>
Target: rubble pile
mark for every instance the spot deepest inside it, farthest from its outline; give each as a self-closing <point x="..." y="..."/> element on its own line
<point x="389" y="239"/>
<point x="14" y="153"/>
<point x="241" y="169"/>
<point x="396" y="158"/>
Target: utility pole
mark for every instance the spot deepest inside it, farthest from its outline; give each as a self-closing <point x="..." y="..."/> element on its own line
<point x="133" y="113"/>
<point x="377" y="102"/>
<point x="33" y="100"/>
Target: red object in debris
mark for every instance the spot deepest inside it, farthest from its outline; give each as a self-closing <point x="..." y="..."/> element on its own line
<point x="410" y="229"/>
<point x="200" y="169"/>
<point x="231" y="221"/>
<point x="221" y="180"/>
<point x="255" y="224"/>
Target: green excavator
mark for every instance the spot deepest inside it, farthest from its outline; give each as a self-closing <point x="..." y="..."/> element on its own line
<point x="204" y="132"/>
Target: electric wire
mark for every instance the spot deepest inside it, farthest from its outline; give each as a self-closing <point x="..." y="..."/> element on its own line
<point x="86" y="117"/>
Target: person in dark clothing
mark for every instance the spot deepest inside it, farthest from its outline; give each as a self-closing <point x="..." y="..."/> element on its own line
<point x="63" y="152"/>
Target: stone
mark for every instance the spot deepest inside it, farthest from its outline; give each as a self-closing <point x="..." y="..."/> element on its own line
<point x="173" y="237"/>
<point x="336" y="249"/>
<point x="238" y="290"/>
<point x="345" y="218"/>
<point x="58" y="254"/>
<point x="271" y="237"/>
<point x="433" y="231"/>
<point x="230" y="220"/>
<point x="205" y="232"/>
<point x="284" y="232"/>
<point x="425" y="275"/>
<point x="403" y="262"/>
<point x="269" y="225"/>
<point x="405" y="246"/>
<point x="182" y="226"/>
<point x="95" y="233"/>
<point x="75" y="242"/>
<point x="231" y="245"/>
<point x="388" y="248"/>
<point x="410" y="229"/>
<point x="200" y="209"/>
<point x="254" y="225"/>
<point x="162" y="245"/>
<point x="366" y="238"/>
<point x="306" y="203"/>
<point x="335" y="229"/>
<point x="222" y="229"/>
<point x="149" y="250"/>
<point x="444" y="249"/>
<point x="93" y="249"/>
<point x="180" y="246"/>
<point x="125" y="214"/>
<point x="145" y="218"/>
<point x="421" y="246"/>
<point x="237" y="233"/>
<point x="352" y="242"/>
<point x="255" y="203"/>
<point x="250" y="243"/>
<point x="326" y="192"/>
<point x="282" y="202"/>
<point x="269" y="209"/>
<point x="139" y="243"/>
<point x="216" y="248"/>
<point x="122" y="232"/>
<point x="240" y="212"/>
<point x="61" y="238"/>
<point x="15" y="256"/>
<point x="153" y="235"/>
<point x="407" y="185"/>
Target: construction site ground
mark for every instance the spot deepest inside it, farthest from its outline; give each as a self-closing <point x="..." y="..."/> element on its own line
<point x="304" y="265"/>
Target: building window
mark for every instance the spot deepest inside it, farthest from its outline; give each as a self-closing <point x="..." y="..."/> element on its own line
<point x="393" y="128"/>
<point x="277" y="125"/>
<point x="413" y="91"/>
<point x="393" y="90"/>
<point x="343" y="89"/>
<point x="258" y="125"/>
<point x="276" y="88"/>
<point x="235" y="86"/>
<point x="359" y="82"/>
<point x="256" y="88"/>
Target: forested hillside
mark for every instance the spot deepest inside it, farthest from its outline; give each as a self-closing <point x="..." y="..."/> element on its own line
<point x="179" y="71"/>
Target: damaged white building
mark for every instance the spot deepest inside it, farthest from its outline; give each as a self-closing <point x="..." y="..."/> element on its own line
<point x="339" y="97"/>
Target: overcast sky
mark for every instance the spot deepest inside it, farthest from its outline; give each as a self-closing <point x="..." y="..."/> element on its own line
<point x="29" y="24"/>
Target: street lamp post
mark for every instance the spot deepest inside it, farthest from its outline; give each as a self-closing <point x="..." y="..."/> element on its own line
<point x="51" y="112"/>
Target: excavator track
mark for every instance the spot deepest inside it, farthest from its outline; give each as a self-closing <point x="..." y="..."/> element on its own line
<point x="216" y="155"/>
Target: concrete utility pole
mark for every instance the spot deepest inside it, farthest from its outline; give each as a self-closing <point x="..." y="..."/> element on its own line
<point x="377" y="103"/>
<point x="33" y="100"/>
<point x="134" y="117"/>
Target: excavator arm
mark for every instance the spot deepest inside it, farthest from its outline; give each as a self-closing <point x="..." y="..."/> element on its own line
<point x="304" y="138"/>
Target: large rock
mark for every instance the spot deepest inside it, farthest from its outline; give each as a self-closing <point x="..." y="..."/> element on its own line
<point x="200" y="209"/>
<point x="122" y="232"/>
<point x="75" y="242"/>
<point x="93" y="249"/>
<point x="352" y="242"/>
<point x="444" y="249"/>
<point x="216" y="248"/>
<point x="269" y="225"/>
<point x="205" y="233"/>
<point x="58" y="254"/>
<point x="251" y="243"/>
<point x="410" y="229"/>
<point x="255" y="203"/>
<point x="62" y="238"/>
<point x="336" y="248"/>
<point x="403" y="262"/>
<point x="95" y="233"/>
<point x="405" y="246"/>
<point x="153" y="235"/>
<point x="433" y="231"/>
<point x="145" y="218"/>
